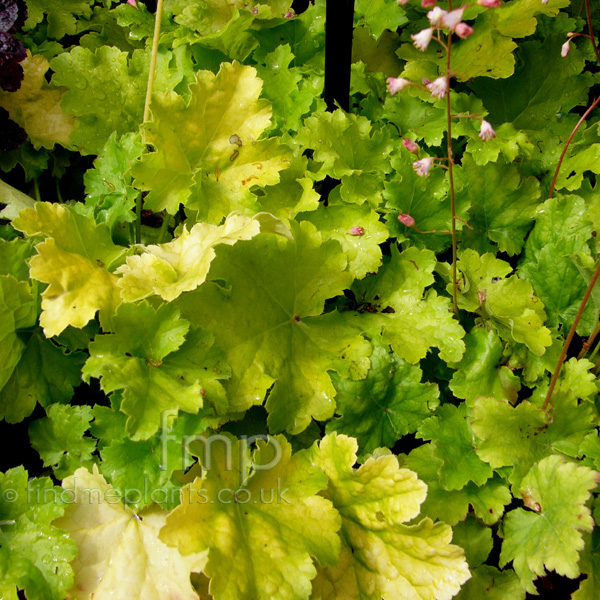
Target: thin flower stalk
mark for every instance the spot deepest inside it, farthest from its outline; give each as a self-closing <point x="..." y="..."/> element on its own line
<point x="587" y="344"/>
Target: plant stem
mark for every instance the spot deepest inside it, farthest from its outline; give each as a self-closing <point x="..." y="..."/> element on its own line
<point x="589" y="342"/>
<point x="567" y="343"/>
<point x="451" y="178"/>
<point x="155" y="40"/>
<point x="149" y="89"/>
<point x="562" y="156"/>
<point x="591" y="29"/>
<point x="36" y="190"/>
<point x="164" y="227"/>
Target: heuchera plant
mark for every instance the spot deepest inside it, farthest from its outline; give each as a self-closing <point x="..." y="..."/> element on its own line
<point x="267" y="351"/>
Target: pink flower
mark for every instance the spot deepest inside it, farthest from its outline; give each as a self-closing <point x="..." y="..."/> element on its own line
<point x="486" y="132"/>
<point x="358" y="230"/>
<point x="428" y="3"/>
<point x="410" y="146"/>
<point x="421" y="40"/>
<point x="406" y="220"/>
<point x="422" y="167"/>
<point x="132" y="3"/>
<point x="397" y="84"/>
<point x="289" y="14"/>
<point x="463" y="30"/>
<point x="565" y="48"/>
<point x="401" y="2"/>
<point x="451" y="19"/>
<point x="489" y="3"/>
<point x="435" y="16"/>
<point x="438" y="87"/>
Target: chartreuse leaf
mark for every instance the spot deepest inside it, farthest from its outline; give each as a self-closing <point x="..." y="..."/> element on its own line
<point x="17" y="311"/>
<point x="412" y="320"/>
<point x="562" y="230"/>
<point x="268" y="320"/>
<point x="290" y="89"/>
<point x="170" y="269"/>
<point x="479" y="372"/>
<point x="389" y="403"/>
<point x="490" y="583"/>
<point x="549" y="536"/>
<point x="454" y="446"/>
<point x="502" y="203"/>
<point x="106" y="90"/>
<point x="61" y="16"/>
<point x="108" y="188"/>
<point x="120" y="555"/>
<point x="14" y="256"/>
<point x="451" y="506"/>
<point x="590" y="565"/>
<point x="509" y="304"/>
<point x="59" y="438"/>
<point x="379" y="15"/>
<point x="35" y="106"/>
<point x="508" y="141"/>
<point x="207" y="154"/>
<point x="15" y="201"/>
<point x="381" y="556"/>
<point x="159" y="363"/>
<point x="475" y="538"/>
<point x="72" y="261"/>
<point x="339" y="221"/>
<point x="346" y="148"/>
<point x="271" y="520"/>
<point x="488" y="51"/>
<point x="34" y="553"/>
<point x="520" y="436"/>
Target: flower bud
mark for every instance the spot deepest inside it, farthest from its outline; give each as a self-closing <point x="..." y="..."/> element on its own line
<point x="486" y="132"/>
<point x="410" y="146"/>
<point x="358" y="230"/>
<point x="428" y="3"/>
<point x="463" y="30"/>
<point x="438" y="87"/>
<point x="421" y="40"/>
<point x="489" y="3"/>
<point x="451" y="19"/>
<point x="406" y="220"/>
<point x="402" y="2"/>
<point x="397" y="84"/>
<point x="422" y="167"/>
<point x="565" y="48"/>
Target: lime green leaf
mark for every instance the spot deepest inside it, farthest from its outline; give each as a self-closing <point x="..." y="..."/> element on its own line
<point x="14" y="256"/>
<point x="149" y="358"/>
<point x="388" y="404"/>
<point x="106" y="90"/>
<point x="451" y="506"/>
<point x="120" y="554"/>
<point x="381" y="556"/>
<point x="209" y="149"/>
<point x="168" y="270"/>
<point x="590" y="565"/>
<point x="272" y="329"/>
<point x="339" y="222"/>
<point x="479" y="373"/>
<point x="61" y="16"/>
<point x="34" y="554"/>
<point x="418" y="319"/>
<point x="491" y="584"/>
<point x="271" y="521"/>
<point x="508" y="140"/>
<point x="17" y="311"/>
<point x="15" y="201"/>
<point x="549" y="535"/>
<point x="45" y="373"/>
<point x="35" y="106"/>
<point x="59" y="438"/>
<point x="502" y="202"/>
<point x="520" y="436"/>
<point x="108" y="187"/>
<point x="379" y="15"/>
<point x="454" y="445"/>
<point x="545" y="86"/>
<point x="562" y="229"/>
<point x="509" y="303"/>
<point x="475" y="538"/>
<point x="72" y="260"/>
<point x="290" y="89"/>
<point x="488" y="51"/>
